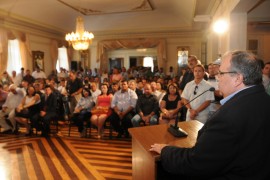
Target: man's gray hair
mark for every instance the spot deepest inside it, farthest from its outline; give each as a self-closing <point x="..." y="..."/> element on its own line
<point x="248" y="65"/>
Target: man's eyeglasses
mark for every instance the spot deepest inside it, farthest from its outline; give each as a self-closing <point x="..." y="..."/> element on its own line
<point x="230" y="72"/>
<point x="195" y="90"/>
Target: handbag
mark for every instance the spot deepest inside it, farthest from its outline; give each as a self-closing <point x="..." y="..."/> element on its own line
<point x="23" y="113"/>
<point x="99" y="110"/>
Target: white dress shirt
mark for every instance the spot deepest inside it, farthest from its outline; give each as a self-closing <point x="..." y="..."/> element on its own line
<point x="123" y="100"/>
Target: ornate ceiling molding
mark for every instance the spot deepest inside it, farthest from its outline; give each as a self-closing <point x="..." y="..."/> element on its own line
<point x="90" y="7"/>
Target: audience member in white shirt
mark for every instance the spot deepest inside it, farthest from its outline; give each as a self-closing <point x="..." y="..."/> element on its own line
<point x="13" y="100"/>
<point x="39" y="74"/>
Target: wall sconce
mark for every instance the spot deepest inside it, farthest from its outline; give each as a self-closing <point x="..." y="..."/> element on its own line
<point x="220" y="26"/>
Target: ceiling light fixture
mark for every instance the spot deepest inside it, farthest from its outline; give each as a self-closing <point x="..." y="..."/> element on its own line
<point x="81" y="39"/>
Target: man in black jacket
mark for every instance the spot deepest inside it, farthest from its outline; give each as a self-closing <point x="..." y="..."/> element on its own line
<point x="234" y="142"/>
<point x="41" y="121"/>
<point x="147" y="108"/>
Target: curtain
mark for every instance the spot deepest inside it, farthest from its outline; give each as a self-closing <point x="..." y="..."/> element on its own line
<point x="106" y="45"/>
<point x="23" y="45"/>
<point x="70" y="54"/>
<point x="3" y="50"/>
<point x="62" y="60"/>
<point x="14" y="56"/>
<point x="54" y="52"/>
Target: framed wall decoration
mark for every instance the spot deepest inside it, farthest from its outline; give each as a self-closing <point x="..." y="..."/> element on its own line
<point x="38" y="60"/>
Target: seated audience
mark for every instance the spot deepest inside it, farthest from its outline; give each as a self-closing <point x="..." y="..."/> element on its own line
<point x="41" y="121"/>
<point x="133" y="86"/>
<point x="13" y="100"/>
<point x="39" y="74"/>
<point x="123" y="104"/>
<point x="102" y="109"/>
<point x="147" y="108"/>
<point x="3" y="96"/>
<point x="82" y="112"/>
<point x="62" y="87"/>
<point x="15" y="78"/>
<point x="27" y="108"/>
<point x="156" y="92"/>
<point x="170" y="105"/>
<point x="114" y="87"/>
<point x="95" y="91"/>
<point x="5" y="79"/>
<point x="116" y="76"/>
<point x="28" y="77"/>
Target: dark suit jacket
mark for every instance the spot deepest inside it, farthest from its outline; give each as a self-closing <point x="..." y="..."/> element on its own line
<point x="50" y="104"/>
<point x="233" y="144"/>
<point x="139" y="92"/>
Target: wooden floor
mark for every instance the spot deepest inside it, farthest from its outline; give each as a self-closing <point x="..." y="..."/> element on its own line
<point x="63" y="157"/>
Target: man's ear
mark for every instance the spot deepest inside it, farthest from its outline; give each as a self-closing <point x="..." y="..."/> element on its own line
<point x="239" y="80"/>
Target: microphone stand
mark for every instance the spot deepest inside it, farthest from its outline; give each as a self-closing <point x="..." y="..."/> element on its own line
<point x="177" y="131"/>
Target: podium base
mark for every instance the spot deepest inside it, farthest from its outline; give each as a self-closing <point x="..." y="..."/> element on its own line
<point x="177" y="131"/>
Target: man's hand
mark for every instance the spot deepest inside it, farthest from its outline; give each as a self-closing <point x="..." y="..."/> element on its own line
<point x="146" y="119"/>
<point x="157" y="148"/>
<point x="193" y="113"/>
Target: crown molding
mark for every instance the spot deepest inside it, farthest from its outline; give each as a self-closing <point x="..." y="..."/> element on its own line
<point x="32" y="27"/>
<point x="9" y="21"/>
<point x="157" y="34"/>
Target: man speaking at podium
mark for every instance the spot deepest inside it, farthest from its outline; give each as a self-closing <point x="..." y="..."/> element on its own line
<point x="235" y="142"/>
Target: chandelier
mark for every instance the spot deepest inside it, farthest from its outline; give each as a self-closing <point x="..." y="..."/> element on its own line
<point x="81" y="39"/>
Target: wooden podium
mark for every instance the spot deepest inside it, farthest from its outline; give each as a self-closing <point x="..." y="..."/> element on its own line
<point x="143" y="161"/>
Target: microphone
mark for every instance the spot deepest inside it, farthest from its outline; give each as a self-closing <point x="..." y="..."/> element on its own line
<point x="177" y="131"/>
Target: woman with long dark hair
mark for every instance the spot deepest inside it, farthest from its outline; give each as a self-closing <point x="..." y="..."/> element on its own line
<point x="170" y="105"/>
<point x="27" y="108"/>
<point x="102" y="109"/>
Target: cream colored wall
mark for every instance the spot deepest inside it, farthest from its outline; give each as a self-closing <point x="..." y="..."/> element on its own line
<point x="266" y="48"/>
<point x="194" y="42"/>
<point x="131" y="52"/>
<point x="172" y="43"/>
<point x="235" y="37"/>
<point x="263" y="44"/>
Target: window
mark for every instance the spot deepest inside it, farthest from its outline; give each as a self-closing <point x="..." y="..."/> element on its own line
<point x="62" y="60"/>
<point x="148" y="62"/>
<point x="14" y="62"/>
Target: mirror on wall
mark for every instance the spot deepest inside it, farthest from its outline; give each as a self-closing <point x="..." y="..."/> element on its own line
<point x="115" y="63"/>
<point x="182" y="58"/>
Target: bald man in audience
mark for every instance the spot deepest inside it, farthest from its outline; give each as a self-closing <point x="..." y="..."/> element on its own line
<point x="13" y="100"/>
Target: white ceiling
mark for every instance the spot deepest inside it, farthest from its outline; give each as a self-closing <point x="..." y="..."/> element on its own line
<point x="119" y="15"/>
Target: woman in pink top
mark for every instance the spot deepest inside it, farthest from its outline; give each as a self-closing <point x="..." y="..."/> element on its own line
<point x="116" y="76"/>
<point x="102" y="109"/>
